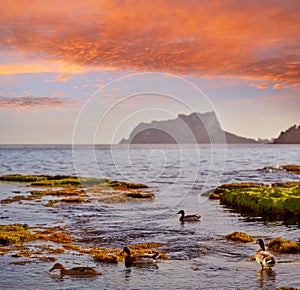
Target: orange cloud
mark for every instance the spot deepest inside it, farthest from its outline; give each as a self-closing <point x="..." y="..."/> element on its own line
<point x="248" y="39"/>
<point x="62" y="78"/>
<point x="260" y="85"/>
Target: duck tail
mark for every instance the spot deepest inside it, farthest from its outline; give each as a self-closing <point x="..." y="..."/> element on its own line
<point x="270" y="261"/>
<point x="155" y="256"/>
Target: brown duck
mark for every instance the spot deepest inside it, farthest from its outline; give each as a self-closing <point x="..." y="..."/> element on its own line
<point x="139" y="259"/>
<point x="76" y="271"/>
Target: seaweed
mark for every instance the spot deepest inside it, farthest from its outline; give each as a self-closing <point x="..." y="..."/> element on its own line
<point x="283" y="246"/>
<point x="239" y="237"/>
<point x="114" y="256"/>
<point x="53" y="234"/>
<point x="58" y="235"/>
<point x="15" y="233"/>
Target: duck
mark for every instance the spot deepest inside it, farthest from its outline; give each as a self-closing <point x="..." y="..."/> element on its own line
<point x="188" y="218"/>
<point x="263" y="257"/>
<point x="139" y="259"/>
<point x="79" y="271"/>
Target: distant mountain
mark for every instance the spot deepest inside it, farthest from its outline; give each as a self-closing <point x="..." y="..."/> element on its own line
<point x="290" y="136"/>
<point x="194" y="128"/>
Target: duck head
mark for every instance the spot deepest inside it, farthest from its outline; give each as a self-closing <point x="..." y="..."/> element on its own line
<point x="181" y="212"/>
<point x="126" y="250"/>
<point x="57" y="266"/>
<point x="261" y="243"/>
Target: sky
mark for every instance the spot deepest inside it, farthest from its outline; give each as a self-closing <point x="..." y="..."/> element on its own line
<point x="91" y="70"/>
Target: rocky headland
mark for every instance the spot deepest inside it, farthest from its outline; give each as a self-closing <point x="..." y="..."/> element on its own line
<point x="289" y="136"/>
<point x="185" y="129"/>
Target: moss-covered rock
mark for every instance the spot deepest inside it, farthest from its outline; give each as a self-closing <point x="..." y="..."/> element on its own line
<point x="22" y="178"/>
<point x="284" y="246"/>
<point x="239" y="237"/>
<point x="279" y="200"/>
<point x="68" y="180"/>
<point x="102" y="189"/>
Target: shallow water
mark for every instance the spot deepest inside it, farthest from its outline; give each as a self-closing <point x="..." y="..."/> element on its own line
<point x="199" y="255"/>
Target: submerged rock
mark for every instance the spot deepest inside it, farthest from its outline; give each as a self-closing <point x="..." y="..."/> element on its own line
<point x="293" y="168"/>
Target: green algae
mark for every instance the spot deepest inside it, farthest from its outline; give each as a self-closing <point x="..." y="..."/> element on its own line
<point x="239" y="237"/>
<point x="68" y="180"/>
<point x="54" y="180"/>
<point x="22" y="178"/>
<point x="278" y="200"/>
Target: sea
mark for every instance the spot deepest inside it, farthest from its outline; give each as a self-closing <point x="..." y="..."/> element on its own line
<point x="181" y="177"/>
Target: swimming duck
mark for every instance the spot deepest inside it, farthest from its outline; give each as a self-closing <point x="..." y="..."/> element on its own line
<point x="79" y="271"/>
<point x="139" y="259"/>
<point x="188" y="218"/>
<point x="263" y="257"/>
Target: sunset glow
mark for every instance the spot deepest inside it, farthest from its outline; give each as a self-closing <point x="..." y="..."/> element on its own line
<point x="255" y="43"/>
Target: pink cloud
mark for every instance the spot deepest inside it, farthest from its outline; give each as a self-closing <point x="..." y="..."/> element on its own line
<point x="32" y="103"/>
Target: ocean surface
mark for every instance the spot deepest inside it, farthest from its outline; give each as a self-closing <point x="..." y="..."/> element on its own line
<point x="199" y="256"/>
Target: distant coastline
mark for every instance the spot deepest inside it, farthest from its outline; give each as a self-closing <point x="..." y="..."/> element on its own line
<point x="200" y="129"/>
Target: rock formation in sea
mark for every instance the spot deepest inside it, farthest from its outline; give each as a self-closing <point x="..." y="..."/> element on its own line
<point x="289" y="136"/>
<point x="185" y="129"/>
